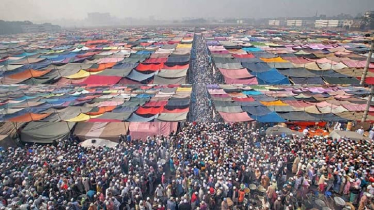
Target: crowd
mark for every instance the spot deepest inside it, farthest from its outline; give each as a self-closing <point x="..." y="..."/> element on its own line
<point x="204" y="166"/>
<point x="202" y="75"/>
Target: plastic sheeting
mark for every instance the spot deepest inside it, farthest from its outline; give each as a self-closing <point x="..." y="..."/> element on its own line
<point x="271" y="77"/>
<point x="235" y="117"/>
<point x="45" y="132"/>
<point x="109" y="131"/>
<point x="141" y="130"/>
<point x="257" y="67"/>
<point x="236" y="73"/>
<point x="172" y="117"/>
<point x="101" y="80"/>
<point x="271" y="117"/>
<point x="298" y="116"/>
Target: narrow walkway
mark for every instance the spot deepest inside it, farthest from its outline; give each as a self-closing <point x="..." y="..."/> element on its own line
<point x="201" y="75"/>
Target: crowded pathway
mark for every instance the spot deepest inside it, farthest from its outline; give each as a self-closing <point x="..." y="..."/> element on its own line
<point x="204" y="166"/>
<point x="201" y="75"/>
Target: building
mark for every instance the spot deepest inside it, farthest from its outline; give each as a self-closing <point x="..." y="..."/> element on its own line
<point x="239" y="21"/>
<point x="294" y="23"/>
<point x="274" y="22"/>
<point x="327" y="23"/>
<point x="347" y="23"/>
<point x="40" y="28"/>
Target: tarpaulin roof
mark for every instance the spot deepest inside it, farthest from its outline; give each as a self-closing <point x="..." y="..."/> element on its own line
<point x="138" y="76"/>
<point x="307" y="80"/>
<point x="257" y="67"/>
<point x="297" y="72"/>
<point x="167" y="81"/>
<point x="249" y="81"/>
<point x="172" y="73"/>
<point x="149" y="67"/>
<point x="172" y="117"/>
<point x="137" y="118"/>
<point x="149" y="110"/>
<point x="45" y="132"/>
<point x="256" y="110"/>
<point x="236" y="73"/>
<point x="298" y="116"/>
<point x="141" y="130"/>
<point x="229" y="65"/>
<point x="101" y="80"/>
<point x="271" y="77"/>
<point x="229" y="109"/>
<point x="271" y="117"/>
<point x="110" y="131"/>
<point x="235" y="117"/>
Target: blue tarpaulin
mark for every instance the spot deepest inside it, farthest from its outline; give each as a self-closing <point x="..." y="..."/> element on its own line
<point x="272" y="77"/>
<point x="256" y="67"/>
<point x="271" y="117"/>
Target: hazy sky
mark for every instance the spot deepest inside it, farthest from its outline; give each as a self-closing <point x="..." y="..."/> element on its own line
<point x="37" y="10"/>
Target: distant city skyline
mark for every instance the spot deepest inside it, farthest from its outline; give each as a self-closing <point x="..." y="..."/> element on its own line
<point x="54" y="10"/>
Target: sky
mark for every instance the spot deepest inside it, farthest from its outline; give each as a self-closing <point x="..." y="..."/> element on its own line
<point x="44" y="10"/>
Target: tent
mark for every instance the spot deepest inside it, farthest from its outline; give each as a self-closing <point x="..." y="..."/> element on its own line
<point x="271" y="117"/>
<point x="140" y="130"/>
<point x="336" y="134"/>
<point x="282" y="131"/>
<point x="45" y="132"/>
<point x="103" y="130"/>
<point x="271" y="77"/>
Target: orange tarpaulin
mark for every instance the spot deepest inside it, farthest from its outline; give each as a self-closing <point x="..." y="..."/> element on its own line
<point x="274" y="103"/>
<point x="149" y="67"/>
<point x="102" y="67"/>
<point x="272" y="60"/>
<point x="150" y="110"/>
<point x="29" y="73"/>
<point x="243" y="55"/>
<point x="28" y="117"/>
<point x="102" y="110"/>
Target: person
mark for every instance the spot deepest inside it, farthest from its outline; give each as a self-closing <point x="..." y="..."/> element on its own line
<point x="306" y="131"/>
<point x="371" y="134"/>
<point x="360" y="131"/>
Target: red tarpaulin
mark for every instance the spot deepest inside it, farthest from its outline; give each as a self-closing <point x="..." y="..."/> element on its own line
<point x="236" y="73"/>
<point x="101" y="80"/>
<point x="140" y="130"/>
<point x="249" y="99"/>
<point x="149" y="67"/>
<point x="149" y="110"/>
<point x="235" y="117"/>
<point x="155" y="60"/>
<point x="250" y="81"/>
<point x="155" y="103"/>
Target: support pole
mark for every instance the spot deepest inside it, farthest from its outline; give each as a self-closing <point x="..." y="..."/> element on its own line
<point x="368" y="104"/>
<point x="363" y="77"/>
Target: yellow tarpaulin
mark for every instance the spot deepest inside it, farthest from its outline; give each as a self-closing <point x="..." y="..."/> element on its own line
<point x="184" y="46"/>
<point x="184" y="89"/>
<point x="79" y="75"/>
<point x="273" y="60"/>
<point x="273" y="103"/>
<point x="82" y="117"/>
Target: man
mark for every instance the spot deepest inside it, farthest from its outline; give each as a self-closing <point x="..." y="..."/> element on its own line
<point x="360" y="131"/>
<point x="278" y="204"/>
<point x="371" y="134"/>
